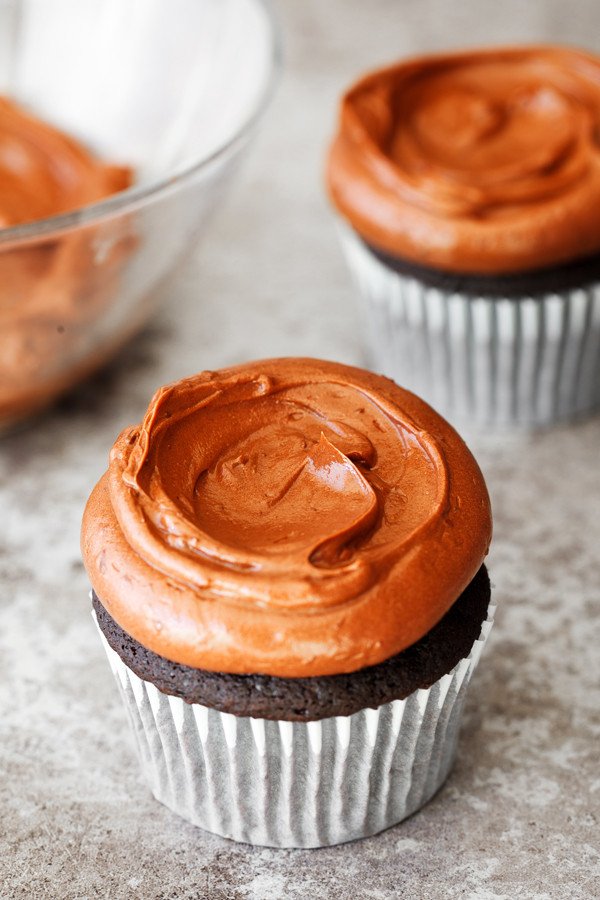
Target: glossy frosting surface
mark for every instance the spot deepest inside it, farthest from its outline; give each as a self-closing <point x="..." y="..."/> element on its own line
<point x="485" y="162"/>
<point x="287" y="517"/>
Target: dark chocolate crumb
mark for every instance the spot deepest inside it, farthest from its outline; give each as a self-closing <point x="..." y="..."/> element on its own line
<point x="308" y="699"/>
<point x="534" y="283"/>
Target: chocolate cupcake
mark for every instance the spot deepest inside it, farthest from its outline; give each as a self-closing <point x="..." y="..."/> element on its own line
<point x="469" y="190"/>
<point x="287" y="567"/>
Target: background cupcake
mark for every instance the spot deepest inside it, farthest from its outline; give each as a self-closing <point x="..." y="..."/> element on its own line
<point x="471" y="185"/>
<point x="287" y="565"/>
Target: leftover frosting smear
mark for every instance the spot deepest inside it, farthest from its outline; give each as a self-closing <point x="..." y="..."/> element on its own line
<point x="481" y="162"/>
<point x="43" y="172"/>
<point x="290" y="517"/>
<point x="55" y="289"/>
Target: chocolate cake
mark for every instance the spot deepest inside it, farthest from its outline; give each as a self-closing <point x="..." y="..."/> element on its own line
<point x="468" y="188"/>
<point x="310" y="699"/>
<point x="287" y="562"/>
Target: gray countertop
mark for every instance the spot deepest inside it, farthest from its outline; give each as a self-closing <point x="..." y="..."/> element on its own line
<point x="519" y="816"/>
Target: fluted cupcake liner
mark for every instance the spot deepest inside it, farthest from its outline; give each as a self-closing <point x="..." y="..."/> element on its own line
<point x="486" y="360"/>
<point x="297" y="784"/>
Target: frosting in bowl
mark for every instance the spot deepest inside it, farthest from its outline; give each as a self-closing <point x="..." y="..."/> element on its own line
<point x="56" y="289"/>
<point x="43" y="172"/>
<point x="483" y="162"/>
<point x="287" y="517"/>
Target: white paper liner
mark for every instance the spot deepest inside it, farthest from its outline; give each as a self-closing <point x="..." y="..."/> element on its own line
<point x="297" y="784"/>
<point x="488" y="361"/>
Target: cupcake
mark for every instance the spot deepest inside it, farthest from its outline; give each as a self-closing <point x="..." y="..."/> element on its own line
<point x="468" y="186"/>
<point x="287" y="563"/>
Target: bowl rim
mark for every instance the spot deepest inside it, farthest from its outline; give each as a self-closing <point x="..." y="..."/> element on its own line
<point x="137" y="195"/>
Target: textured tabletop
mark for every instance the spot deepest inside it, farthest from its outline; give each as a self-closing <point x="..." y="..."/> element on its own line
<point x="520" y="814"/>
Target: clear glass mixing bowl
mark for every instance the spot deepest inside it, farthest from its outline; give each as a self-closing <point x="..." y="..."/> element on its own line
<point x="173" y="88"/>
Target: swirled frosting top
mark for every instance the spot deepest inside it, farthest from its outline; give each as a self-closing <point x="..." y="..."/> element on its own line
<point x="289" y="517"/>
<point x="43" y="172"/>
<point x="483" y="162"/>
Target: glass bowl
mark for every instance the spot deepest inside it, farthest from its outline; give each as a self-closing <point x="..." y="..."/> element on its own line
<point x="173" y="88"/>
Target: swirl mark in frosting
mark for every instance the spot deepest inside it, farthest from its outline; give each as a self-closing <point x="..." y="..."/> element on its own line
<point x="256" y="474"/>
<point x="478" y="162"/>
<point x="289" y="498"/>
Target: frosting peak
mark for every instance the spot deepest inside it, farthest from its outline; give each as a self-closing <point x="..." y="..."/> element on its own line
<point x="246" y="488"/>
<point x="478" y="162"/>
<point x="283" y="516"/>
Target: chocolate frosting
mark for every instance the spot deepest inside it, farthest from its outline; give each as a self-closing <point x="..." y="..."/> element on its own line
<point x="288" y="517"/>
<point x="54" y="290"/>
<point x="485" y="161"/>
<point x="43" y="172"/>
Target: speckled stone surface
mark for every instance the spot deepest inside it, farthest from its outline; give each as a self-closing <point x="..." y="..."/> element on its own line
<point x="520" y="815"/>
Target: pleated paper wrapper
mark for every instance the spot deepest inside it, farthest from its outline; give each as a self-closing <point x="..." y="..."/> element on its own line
<point x="297" y="784"/>
<point x="524" y="361"/>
